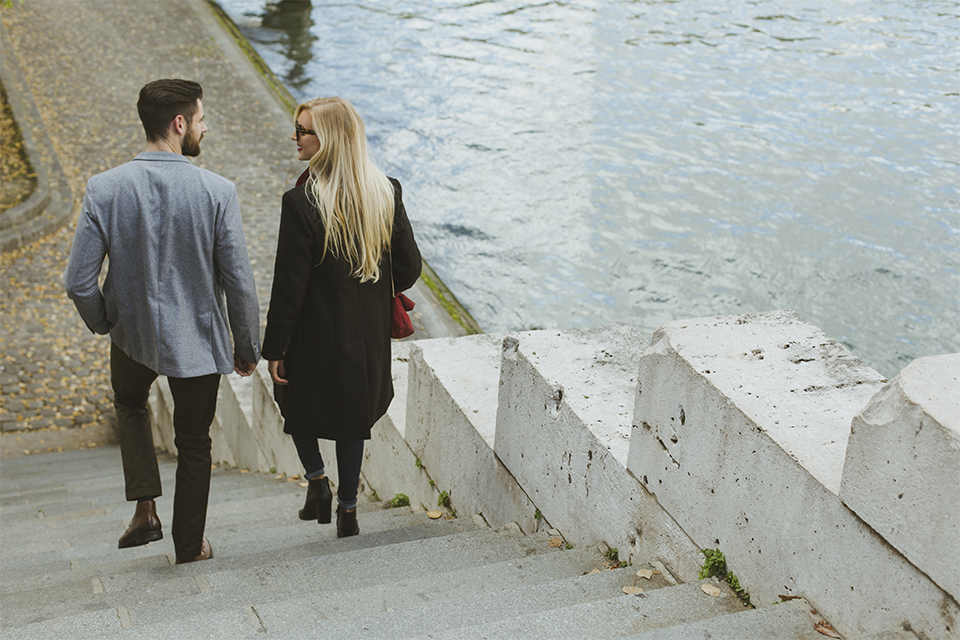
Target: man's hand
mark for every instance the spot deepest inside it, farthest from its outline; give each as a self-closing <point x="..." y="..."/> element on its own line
<point x="276" y="371"/>
<point x="242" y="367"/>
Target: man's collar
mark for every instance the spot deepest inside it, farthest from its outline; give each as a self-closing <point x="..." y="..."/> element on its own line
<point x="163" y="156"/>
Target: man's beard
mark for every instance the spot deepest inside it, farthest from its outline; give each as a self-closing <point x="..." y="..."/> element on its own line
<point x="191" y="145"/>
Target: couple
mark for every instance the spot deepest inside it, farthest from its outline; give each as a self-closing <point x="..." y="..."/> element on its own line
<point x="176" y="249"/>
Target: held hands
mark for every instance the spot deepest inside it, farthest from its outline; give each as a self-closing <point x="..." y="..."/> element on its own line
<point x="276" y="372"/>
<point x="242" y="367"/>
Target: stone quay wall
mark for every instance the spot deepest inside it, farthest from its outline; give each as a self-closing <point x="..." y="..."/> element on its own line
<point x="755" y="434"/>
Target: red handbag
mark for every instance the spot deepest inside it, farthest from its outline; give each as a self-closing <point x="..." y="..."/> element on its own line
<point x="400" y="324"/>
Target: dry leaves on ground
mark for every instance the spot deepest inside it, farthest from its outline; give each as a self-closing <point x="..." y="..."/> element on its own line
<point x="711" y="590"/>
<point x="645" y="573"/>
<point x="434" y="515"/>
<point x="555" y="542"/>
<point x="826" y="629"/>
<point x="632" y="591"/>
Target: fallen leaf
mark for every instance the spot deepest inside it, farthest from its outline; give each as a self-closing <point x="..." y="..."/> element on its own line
<point x="645" y="573"/>
<point x="711" y="590"/>
<point x="555" y="542"/>
<point x="304" y="484"/>
<point x="594" y="571"/>
<point x="433" y="515"/>
<point x="824" y="627"/>
<point x="788" y="598"/>
<point x="632" y="591"/>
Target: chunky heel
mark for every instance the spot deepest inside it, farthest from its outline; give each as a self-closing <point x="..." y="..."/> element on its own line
<point x="318" y="503"/>
<point x="324" y="505"/>
<point x="347" y="524"/>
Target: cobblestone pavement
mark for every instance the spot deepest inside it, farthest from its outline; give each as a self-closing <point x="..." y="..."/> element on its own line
<point x="85" y="61"/>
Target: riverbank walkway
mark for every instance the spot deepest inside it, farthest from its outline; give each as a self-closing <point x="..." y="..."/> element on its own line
<point x="84" y="63"/>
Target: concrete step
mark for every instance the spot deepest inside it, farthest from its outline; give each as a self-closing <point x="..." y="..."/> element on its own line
<point x="786" y="621"/>
<point x="221" y="588"/>
<point x="614" y="617"/>
<point x="235" y="534"/>
<point x="389" y="611"/>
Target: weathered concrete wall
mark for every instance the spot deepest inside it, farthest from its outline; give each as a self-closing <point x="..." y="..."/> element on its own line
<point x="902" y="471"/>
<point x="740" y="430"/>
<point x="389" y="464"/>
<point x="563" y="429"/>
<point x="724" y="432"/>
<point x="450" y="426"/>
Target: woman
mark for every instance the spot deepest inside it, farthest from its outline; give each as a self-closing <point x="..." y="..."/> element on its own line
<point x="344" y="235"/>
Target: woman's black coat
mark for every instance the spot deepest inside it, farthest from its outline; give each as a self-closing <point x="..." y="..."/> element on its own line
<point x="332" y="331"/>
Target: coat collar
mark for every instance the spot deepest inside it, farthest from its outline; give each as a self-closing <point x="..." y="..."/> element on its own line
<point x="162" y="156"/>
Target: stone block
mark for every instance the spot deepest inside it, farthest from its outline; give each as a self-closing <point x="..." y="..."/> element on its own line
<point x="232" y="431"/>
<point x="563" y="428"/>
<point x="451" y="422"/>
<point x="160" y="405"/>
<point x="276" y="447"/>
<point x="740" y="429"/>
<point x="902" y="471"/>
<point x="389" y="465"/>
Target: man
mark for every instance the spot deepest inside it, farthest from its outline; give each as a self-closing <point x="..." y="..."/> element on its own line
<point x="175" y="243"/>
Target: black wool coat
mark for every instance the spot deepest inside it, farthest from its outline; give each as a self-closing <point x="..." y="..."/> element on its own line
<point x="332" y="331"/>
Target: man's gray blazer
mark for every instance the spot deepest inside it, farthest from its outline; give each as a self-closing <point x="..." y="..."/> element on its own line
<point x="174" y="239"/>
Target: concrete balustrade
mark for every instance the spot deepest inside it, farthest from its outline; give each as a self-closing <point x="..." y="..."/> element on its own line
<point x="563" y="429"/>
<point x="741" y="426"/>
<point x="723" y="432"/>
<point x="389" y="464"/>
<point x="902" y="471"/>
<point x="451" y="424"/>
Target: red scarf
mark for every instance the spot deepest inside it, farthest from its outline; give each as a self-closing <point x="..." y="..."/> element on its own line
<point x="303" y="176"/>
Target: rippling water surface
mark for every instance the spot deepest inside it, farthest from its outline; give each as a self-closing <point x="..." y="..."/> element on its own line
<point x="571" y="164"/>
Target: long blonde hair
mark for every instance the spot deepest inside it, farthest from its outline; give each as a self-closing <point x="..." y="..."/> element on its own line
<point x="353" y="197"/>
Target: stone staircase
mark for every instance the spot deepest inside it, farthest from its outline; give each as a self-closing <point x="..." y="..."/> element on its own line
<point x="405" y="576"/>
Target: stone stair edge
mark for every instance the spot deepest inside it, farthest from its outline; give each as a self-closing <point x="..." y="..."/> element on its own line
<point x="410" y="615"/>
<point x="212" y="577"/>
<point x="83" y="571"/>
<point x="603" y="618"/>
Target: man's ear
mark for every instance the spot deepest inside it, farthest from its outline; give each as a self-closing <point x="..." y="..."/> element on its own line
<point x="179" y="125"/>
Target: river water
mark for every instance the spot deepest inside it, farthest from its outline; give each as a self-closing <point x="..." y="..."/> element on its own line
<point x="572" y="164"/>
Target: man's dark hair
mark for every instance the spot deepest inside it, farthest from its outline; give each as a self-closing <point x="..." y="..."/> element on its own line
<point x="163" y="100"/>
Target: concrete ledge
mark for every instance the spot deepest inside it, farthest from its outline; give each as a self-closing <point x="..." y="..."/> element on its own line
<point x="563" y="430"/>
<point x="450" y="426"/>
<point x="161" y="415"/>
<point x="740" y="430"/>
<point x="389" y="464"/>
<point x="51" y="205"/>
<point x="276" y="447"/>
<point x="902" y="471"/>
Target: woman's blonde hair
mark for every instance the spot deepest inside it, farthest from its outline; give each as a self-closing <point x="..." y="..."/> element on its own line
<point x="354" y="198"/>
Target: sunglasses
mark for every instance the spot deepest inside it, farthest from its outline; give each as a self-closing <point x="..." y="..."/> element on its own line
<point x="304" y="132"/>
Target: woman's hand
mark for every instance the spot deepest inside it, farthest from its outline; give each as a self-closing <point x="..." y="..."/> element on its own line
<point x="276" y="372"/>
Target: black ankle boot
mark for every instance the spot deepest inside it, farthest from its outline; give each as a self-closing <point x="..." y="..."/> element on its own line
<point x="318" y="502"/>
<point x="347" y="522"/>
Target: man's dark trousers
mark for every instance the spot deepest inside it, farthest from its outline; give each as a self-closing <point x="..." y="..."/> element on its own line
<point x="195" y="402"/>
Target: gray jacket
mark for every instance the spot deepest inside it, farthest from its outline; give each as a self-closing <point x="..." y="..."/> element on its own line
<point x="174" y="240"/>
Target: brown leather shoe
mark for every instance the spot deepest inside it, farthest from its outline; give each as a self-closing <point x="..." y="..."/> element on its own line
<point x="206" y="552"/>
<point x="145" y="526"/>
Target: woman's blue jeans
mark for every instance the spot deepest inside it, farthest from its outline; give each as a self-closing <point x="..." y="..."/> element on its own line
<point x="349" y="459"/>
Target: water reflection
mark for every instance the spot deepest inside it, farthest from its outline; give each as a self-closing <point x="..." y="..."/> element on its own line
<point x="290" y="21"/>
<point x="579" y="163"/>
